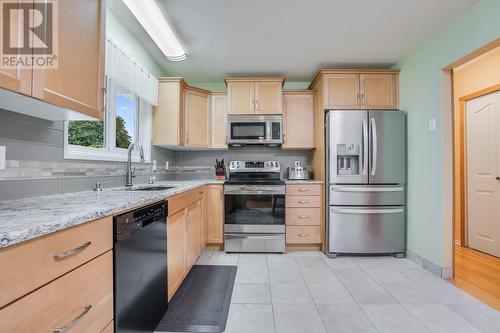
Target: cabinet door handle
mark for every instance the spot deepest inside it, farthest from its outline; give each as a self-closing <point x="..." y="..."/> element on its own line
<point x="362" y="99"/>
<point x="75" y="321"/>
<point x="358" y="99"/>
<point x="63" y="255"/>
<point x="303" y="217"/>
<point x="303" y="201"/>
<point x="303" y="190"/>
<point x="303" y="234"/>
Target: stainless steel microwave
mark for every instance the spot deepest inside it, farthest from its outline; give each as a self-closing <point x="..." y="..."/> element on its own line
<point x="254" y="130"/>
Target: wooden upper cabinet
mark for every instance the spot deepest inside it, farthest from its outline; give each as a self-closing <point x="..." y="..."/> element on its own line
<point x="16" y="80"/>
<point x="368" y="89"/>
<point x="196" y="117"/>
<point x="253" y="95"/>
<point x="168" y="120"/>
<point x="241" y="97"/>
<point x="219" y="120"/>
<point x="77" y="84"/>
<point x="378" y="91"/>
<point x="298" y="119"/>
<point x="182" y="116"/>
<point x="268" y="97"/>
<point x="342" y="91"/>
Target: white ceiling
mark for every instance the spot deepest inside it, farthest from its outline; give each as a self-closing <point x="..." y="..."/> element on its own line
<point x="293" y="38"/>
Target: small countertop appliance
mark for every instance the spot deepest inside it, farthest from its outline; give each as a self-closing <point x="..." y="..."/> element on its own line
<point x="298" y="172"/>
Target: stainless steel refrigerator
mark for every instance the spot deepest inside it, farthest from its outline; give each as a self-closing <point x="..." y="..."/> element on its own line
<point x="366" y="160"/>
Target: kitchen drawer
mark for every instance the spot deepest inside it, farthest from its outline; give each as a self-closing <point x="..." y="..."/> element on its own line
<point x="299" y="234"/>
<point x="82" y="299"/>
<point x="29" y="265"/>
<point x="110" y="328"/>
<point x="303" y="216"/>
<point x="297" y="201"/>
<point x="302" y="189"/>
<point x="183" y="200"/>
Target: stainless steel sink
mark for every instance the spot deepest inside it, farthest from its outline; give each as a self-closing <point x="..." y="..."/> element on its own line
<point x="151" y="188"/>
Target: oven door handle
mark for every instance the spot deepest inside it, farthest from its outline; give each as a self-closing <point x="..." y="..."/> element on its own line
<point x="253" y="236"/>
<point x="249" y="190"/>
<point x="255" y="192"/>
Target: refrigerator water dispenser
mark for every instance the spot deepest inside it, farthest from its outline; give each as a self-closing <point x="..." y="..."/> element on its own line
<point x="348" y="159"/>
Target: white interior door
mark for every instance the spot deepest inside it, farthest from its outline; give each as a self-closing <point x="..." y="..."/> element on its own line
<point x="483" y="170"/>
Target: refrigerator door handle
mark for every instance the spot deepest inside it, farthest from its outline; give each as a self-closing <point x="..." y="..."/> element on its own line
<point x="366" y="189"/>
<point x="365" y="146"/>
<point x="374" y="146"/>
<point x="367" y="211"/>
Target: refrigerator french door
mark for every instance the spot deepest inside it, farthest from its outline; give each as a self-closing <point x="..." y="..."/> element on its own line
<point x="367" y="175"/>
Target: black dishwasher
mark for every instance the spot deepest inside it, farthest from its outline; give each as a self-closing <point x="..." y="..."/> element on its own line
<point x="140" y="268"/>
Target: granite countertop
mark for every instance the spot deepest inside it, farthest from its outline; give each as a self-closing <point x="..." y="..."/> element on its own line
<point x="25" y="219"/>
<point x="303" y="181"/>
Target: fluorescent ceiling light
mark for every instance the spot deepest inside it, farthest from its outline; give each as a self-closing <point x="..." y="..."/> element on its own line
<point x="150" y="16"/>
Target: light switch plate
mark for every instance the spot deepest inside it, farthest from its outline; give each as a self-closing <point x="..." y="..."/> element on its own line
<point x="2" y="157"/>
<point x="432" y="125"/>
<point x="166" y="165"/>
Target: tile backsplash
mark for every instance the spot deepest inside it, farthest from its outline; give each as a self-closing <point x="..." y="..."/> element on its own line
<point x="35" y="163"/>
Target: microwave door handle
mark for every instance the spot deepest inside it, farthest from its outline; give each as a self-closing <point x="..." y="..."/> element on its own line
<point x="364" y="149"/>
<point x="374" y="146"/>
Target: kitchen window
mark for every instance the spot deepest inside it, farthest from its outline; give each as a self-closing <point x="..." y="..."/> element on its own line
<point x="127" y="119"/>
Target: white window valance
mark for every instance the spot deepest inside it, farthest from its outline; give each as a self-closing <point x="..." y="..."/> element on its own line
<point x="126" y="72"/>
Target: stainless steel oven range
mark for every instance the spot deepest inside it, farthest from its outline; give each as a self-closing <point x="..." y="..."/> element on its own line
<point x="254" y="207"/>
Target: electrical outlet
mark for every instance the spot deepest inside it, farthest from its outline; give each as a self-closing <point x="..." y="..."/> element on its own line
<point x="432" y="125"/>
<point x="166" y="165"/>
<point x="2" y="157"/>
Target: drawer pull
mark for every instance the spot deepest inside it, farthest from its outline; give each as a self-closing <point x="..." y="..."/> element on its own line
<point x="303" y="201"/>
<point x="303" y="217"/>
<point x="63" y="255"/>
<point x="303" y="235"/>
<point x="303" y="190"/>
<point x="75" y="321"/>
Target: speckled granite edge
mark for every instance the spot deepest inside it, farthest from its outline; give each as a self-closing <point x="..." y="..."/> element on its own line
<point x="27" y="219"/>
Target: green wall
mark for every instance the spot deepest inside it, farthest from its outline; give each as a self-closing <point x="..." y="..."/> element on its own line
<point x="117" y="31"/>
<point x="420" y="81"/>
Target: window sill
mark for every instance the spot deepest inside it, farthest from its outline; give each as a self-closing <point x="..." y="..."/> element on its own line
<point x="101" y="154"/>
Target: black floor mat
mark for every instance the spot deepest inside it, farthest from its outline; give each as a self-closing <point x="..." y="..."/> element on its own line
<point x="201" y="303"/>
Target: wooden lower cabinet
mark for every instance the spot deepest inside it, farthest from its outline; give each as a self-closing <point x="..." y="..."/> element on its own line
<point x="303" y="201"/>
<point x="304" y="219"/>
<point x="175" y="251"/>
<point x="184" y="236"/>
<point x="303" y="216"/>
<point x="27" y="266"/>
<point x="110" y="328"/>
<point x="215" y="214"/>
<point x="300" y="234"/>
<point x="83" y="297"/>
<point x="192" y="224"/>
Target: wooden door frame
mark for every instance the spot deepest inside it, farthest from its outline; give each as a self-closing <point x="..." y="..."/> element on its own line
<point x="452" y="215"/>
<point x="461" y="163"/>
